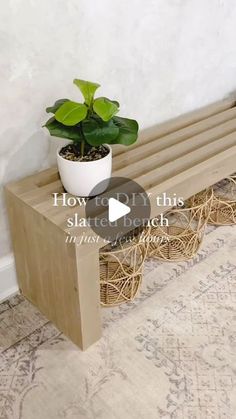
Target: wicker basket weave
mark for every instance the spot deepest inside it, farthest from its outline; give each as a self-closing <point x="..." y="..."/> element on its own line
<point x="223" y="208"/>
<point x="181" y="239"/>
<point x="121" y="269"/>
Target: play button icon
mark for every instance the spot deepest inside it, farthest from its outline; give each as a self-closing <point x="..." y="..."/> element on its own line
<point x="123" y="207"/>
<point x="117" y="210"/>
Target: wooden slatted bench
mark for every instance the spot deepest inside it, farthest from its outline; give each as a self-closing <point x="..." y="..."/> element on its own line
<point x="181" y="156"/>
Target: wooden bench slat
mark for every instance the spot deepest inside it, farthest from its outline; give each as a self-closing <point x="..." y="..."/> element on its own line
<point x="175" y="124"/>
<point x="173" y="168"/>
<point x="189" y="181"/>
<point x="36" y="180"/>
<point x="177" y="150"/>
<point x="143" y="150"/>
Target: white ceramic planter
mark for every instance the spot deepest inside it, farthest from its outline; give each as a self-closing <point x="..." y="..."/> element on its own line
<point x="79" y="178"/>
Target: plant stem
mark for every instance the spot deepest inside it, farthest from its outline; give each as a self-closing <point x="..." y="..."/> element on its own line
<point x="82" y="144"/>
<point x="82" y="148"/>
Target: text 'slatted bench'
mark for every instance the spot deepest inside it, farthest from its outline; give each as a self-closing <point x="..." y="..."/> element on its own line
<point x="182" y="156"/>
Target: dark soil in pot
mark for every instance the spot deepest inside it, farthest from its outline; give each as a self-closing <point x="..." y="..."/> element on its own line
<point x="72" y="152"/>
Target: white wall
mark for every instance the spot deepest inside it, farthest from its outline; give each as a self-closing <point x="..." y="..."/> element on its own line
<point x="159" y="58"/>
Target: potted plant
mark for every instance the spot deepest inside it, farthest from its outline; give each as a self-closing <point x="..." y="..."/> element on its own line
<point x="91" y="127"/>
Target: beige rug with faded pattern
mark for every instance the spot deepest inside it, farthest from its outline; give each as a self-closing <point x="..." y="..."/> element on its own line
<point x="171" y="354"/>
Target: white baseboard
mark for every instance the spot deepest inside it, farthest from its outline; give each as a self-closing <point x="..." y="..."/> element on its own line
<point x="8" y="279"/>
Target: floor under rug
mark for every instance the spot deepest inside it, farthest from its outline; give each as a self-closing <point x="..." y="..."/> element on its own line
<point x="171" y="354"/>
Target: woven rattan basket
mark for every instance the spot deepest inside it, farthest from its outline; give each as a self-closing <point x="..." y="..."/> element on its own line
<point x="181" y="239"/>
<point x="223" y="208"/>
<point x="121" y="267"/>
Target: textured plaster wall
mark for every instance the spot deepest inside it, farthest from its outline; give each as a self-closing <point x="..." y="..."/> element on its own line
<point x="159" y="58"/>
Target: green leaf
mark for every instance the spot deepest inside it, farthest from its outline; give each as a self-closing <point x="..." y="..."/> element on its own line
<point x="98" y="132"/>
<point x="56" y="129"/>
<point x="57" y="104"/>
<point x="115" y="102"/>
<point x="87" y="89"/>
<point x="105" y="108"/>
<point x="71" y="113"/>
<point x="128" y="130"/>
<point x="112" y="101"/>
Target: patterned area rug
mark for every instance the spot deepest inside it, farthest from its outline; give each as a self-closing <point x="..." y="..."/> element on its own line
<point x="171" y="354"/>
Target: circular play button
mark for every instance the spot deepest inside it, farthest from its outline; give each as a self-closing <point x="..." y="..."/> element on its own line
<point x="123" y="207"/>
<point x="116" y="210"/>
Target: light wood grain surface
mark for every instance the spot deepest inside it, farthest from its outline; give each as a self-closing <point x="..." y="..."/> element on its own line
<point x="182" y="156"/>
